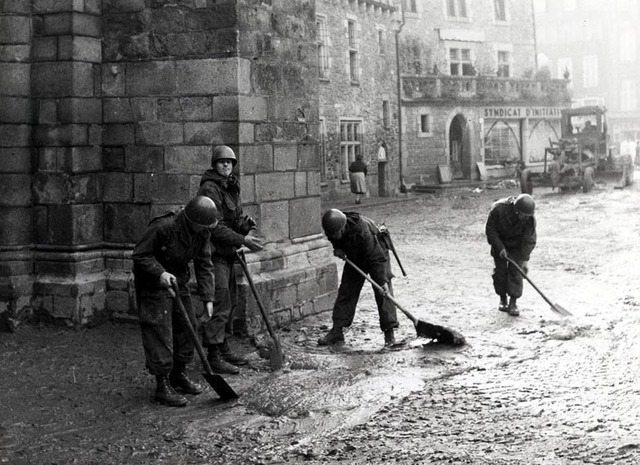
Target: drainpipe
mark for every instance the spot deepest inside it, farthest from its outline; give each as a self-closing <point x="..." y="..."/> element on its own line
<point x="403" y="188"/>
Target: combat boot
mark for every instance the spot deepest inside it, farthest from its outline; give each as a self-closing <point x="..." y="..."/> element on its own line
<point x="333" y="337"/>
<point x="230" y="356"/>
<point x="181" y="382"/>
<point x="389" y="337"/>
<point x="218" y="364"/>
<point x="504" y="306"/>
<point x="513" y="308"/>
<point x="166" y="395"/>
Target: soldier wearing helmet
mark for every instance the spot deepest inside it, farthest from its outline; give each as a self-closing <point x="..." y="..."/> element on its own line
<point x="511" y="231"/>
<point x="160" y="259"/>
<point x="234" y="230"/>
<point x="357" y="237"/>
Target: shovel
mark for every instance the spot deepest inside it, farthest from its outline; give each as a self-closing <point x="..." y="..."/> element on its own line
<point x="275" y="350"/>
<point x="559" y="309"/>
<point x="423" y="329"/>
<point x="217" y="382"/>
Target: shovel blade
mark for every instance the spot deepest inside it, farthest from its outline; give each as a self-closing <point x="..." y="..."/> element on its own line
<point x="221" y="387"/>
<point x="559" y="309"/>
<point x="439" y="333"/>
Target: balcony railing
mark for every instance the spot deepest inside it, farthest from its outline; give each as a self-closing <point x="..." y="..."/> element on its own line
<point x="484" y="89"/>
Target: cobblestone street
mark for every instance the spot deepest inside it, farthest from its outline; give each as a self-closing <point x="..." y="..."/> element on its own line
<point x="536" y="389"/>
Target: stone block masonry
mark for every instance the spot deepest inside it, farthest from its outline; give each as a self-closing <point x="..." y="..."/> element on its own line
<point x="113" y="109"/>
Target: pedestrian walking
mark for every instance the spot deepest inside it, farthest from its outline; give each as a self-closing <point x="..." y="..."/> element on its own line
<point x="160" y="258"/>
<point x="358" y="238"/>
<point x="357" y="177"/>
<point x="235" y="229"/>
<point x="511" y="231"/>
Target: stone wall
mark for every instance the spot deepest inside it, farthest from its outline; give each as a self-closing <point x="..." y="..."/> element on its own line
<point x="340" y="98"/>
<point x="116" y="105"/>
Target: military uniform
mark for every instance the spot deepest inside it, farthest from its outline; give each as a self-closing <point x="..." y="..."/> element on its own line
<point x="360" y="242"/>
<point x="169" y="245"/>
<point x="517" y="234"/>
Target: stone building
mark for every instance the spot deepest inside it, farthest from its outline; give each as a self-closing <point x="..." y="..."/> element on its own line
<point x="358" y="93"/>
<point x="108" y="113"/>
<point x="595" y="45"/>
<point x="472" y="103"/>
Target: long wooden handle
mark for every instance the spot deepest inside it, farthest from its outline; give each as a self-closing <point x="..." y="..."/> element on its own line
<point x="192" y="331"/>
<point x="524" y="275"/>
<point x="381" y="290"/>
<point x="263" y="311"/>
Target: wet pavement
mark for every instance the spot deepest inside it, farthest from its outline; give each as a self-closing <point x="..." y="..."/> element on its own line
<point x="536" y="389"/>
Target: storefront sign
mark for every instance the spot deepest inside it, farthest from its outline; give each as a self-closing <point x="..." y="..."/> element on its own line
<point x="521" y="112"/>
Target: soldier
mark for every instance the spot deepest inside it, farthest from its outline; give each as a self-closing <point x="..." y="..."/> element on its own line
<point x="234" y="230"/>
<point x="511" y="231"/>
<point x="356" y="237"/>
<point x="161" y="258"/>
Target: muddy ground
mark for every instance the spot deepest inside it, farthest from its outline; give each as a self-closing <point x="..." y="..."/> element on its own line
<point x="534" y="389"/>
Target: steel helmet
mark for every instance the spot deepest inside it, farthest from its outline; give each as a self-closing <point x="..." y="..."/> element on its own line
<point x="333" y="221"/>
<point x="201" y="211"/>
<point x="223" y="152"/>
<point x="525" y="205"/>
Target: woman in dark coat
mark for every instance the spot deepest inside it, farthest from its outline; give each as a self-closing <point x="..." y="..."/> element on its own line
<point x="357" y="176"/>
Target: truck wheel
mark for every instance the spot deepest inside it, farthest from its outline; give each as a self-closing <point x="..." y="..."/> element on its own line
<point x="526" y="186"/>
<point x="587" y="180"/>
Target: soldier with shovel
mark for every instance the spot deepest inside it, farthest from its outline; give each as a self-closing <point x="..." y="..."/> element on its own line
<point x="511" y="231"/>
<point x="160" y="260"/>
<point x="355" y="236"/>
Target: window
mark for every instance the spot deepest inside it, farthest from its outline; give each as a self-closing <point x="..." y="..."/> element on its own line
<point x="381" y="42"/>
<point x="417" y="62"/>
<point x="501" y="12"/>
<point x="628" y="96"/>
<point x="386" y="120"/>
<point x="460" y="62"/>
<point x="350" y="145"/>
<point x="590" y="71"/>
<point x="425" y="124"/>
<point x="410" y="6"/>
<point x="323" y="56"/>
<point x="504" y="67"/>
<point x="457" y="9"/>
<point x="501" y="143"/>
<point x="628" y="46"/>
<point x="354" y="73"/>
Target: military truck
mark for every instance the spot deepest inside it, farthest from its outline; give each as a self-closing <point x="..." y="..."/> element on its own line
<point x="582" y="156"/>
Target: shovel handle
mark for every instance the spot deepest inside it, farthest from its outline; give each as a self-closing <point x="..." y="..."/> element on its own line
<point x="192" y="331"/>
<point x="524" y="275"/>
<point x="379" y="288"/>
<point x="263" y="311"/>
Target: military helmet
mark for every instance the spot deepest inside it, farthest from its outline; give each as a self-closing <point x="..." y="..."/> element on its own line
<point x="223" y="152"/>
<point x="333" y="221"/>
<point x="525" y="205"/>
<point x="201" y="210"/>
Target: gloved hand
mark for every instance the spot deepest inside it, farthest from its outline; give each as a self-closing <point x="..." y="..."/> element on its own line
<point x="339" y="253"/>
<point x="253" y="242"/>
<point x="503" y="254"/>
<point x="385" y="288"/>
<point x="167" y="280"/>
<point x="208" y="307"/>
<point x="525" y="267"/>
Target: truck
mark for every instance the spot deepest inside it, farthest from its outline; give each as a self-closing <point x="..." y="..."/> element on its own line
<point x="581" y="157"/>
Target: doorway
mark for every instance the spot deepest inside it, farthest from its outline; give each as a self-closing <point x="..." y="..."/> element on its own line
<point x="459" y="153"/>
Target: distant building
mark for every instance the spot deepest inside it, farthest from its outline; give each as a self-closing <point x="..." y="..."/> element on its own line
<point x="595" y="45"/>
<point x="358" y="92"/>
<point x="471" y="97"/>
